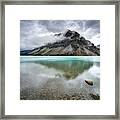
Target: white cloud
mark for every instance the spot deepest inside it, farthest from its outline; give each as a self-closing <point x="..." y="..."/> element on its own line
<point x="35" y="33"/>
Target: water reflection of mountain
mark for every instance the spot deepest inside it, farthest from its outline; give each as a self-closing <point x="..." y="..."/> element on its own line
<point x="71" y="68"/>
<point x="97" y="64"/>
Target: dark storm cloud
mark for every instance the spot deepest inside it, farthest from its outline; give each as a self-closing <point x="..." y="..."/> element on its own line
<point x="34" y="33"/>
<point x="95" y="24"/>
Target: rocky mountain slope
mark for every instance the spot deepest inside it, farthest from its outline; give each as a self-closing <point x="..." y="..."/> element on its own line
<point x="72" y="44"/>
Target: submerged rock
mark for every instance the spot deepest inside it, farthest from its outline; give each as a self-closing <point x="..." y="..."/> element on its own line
<point x="89" y="82"/>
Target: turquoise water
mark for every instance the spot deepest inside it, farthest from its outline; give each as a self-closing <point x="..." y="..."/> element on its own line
<point x="63" y="74"/>
<point x="62" y="58"/>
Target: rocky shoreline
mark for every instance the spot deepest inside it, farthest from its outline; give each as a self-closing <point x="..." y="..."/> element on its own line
<point x="54" y="94"/>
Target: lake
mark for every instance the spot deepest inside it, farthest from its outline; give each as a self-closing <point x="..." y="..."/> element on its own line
<point x="60" y="78"/>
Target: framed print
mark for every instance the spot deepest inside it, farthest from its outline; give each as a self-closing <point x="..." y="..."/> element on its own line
<point x="60" y="60"/>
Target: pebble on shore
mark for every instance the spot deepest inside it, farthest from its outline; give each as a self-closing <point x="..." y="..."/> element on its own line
<point x="89" y="82"/>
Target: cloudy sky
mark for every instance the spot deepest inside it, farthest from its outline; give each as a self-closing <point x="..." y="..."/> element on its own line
<point x="34" y="33"/>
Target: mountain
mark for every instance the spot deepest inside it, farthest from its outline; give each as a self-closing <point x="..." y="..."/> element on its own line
<point x="98" y="46"/>
<point x="72" y="44"/>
